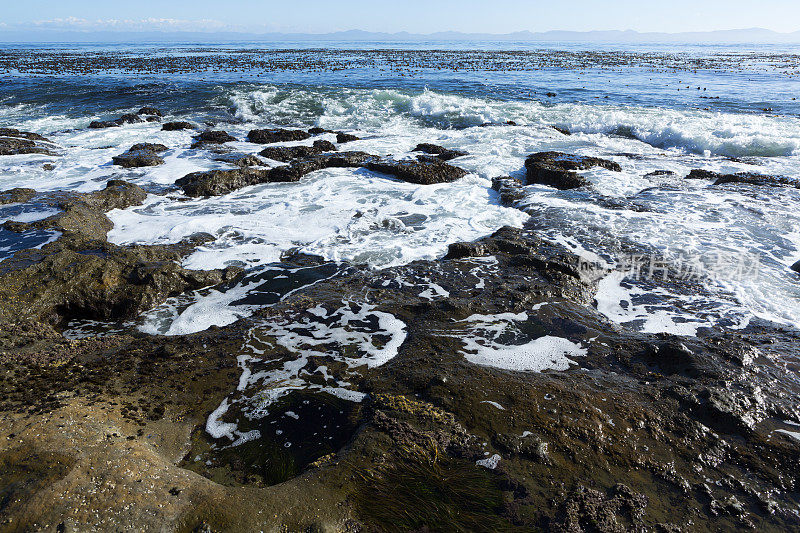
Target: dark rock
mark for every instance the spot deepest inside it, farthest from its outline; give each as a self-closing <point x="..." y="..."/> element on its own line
<point x="319" y="131"/>
<point x="276" y="135"/>
<point x="219" y="182"/>
<point x="748" y="178"/>
<point x="550" y="95"/>
<point x="48" y="167"/>
<point x="150" y="111"/>
<point x="213" y="137"/>
<point x="240" y="160"/>
<point x="657" y="173"/>
<point x="342" y="138"/>
<point x="16" y="142"/>
<point x="128" y="118"/>
<point x="557" y="169"/>
<point x="175" y="126"/>
<point x="619" y="509"/>
<point x="510" y="190"/>
<point x="700" y="174"/>
<point x="445" y="154"/>
<point x="563" y="131"/>
<point x="419" y="172"/>
<point x="11" y="132"/>
<point x="141" y="155"/>
<point x="71" y="279"/>
<point x="289" y="153"/>
<point x="18" y="195"/>
<point x="82" y="215"/>
<point x="796" y="267"/>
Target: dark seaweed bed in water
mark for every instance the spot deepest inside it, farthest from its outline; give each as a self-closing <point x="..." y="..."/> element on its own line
<point x="600" y="337"/>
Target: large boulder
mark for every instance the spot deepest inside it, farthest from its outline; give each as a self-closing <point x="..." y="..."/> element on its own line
<point x="270" y="136"/>
<point x="16" y="142"/>
<point x="421" y="172"/>
<point x="141" y="155"/>
<point x="445" y="154"/>
<point x="558" y="169"/>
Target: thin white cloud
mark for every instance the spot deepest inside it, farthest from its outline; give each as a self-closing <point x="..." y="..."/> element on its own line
<point x="147" y="24"/>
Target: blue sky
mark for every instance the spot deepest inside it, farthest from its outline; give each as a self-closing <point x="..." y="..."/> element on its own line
<point x="493" y="16"/>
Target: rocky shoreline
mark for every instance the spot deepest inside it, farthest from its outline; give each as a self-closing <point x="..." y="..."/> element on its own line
<point x="364" y="401"/>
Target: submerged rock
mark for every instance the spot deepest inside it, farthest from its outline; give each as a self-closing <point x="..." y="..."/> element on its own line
<point x="445" y="154"/>
<point x="557" y="169"/>
<point x="141" y="155"/>
<point x="748" y="178"/>
<point x="16" y="142"/>
<point x="177" y="126"/>
<point x="276" y="135"/>
<point x="421" y="172"/>
<point x="796" y="267"/>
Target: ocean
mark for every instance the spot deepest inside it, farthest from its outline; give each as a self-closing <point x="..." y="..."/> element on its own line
<point x="659" y="111"/>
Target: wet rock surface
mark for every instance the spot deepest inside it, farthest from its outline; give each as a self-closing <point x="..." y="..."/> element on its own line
<point x="306" y="159"/>
<point x="80" y="275"/>
<point x="141" y="155"/>
<point x="286" y="154"/>
<point x="219" y="182"/>
<point x="747" y="178"/>
<point x="177" y="126"/>
<point x="558" y="169"/>
<point x="212" y="137"/>
<point x="642" y="432"/>
<point x="421" y="172"/>
<point x="445" y="154"/>
<point x="16" y="142"/>
<point x="375" y="400"/>
<point x="270" y="136"/>
<point x="127" y="118"/>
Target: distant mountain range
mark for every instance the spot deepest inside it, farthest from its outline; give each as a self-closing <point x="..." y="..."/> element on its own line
<point x="752" y="35"/>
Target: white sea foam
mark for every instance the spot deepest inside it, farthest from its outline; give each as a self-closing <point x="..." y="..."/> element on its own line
<point x="483" y="347"/>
